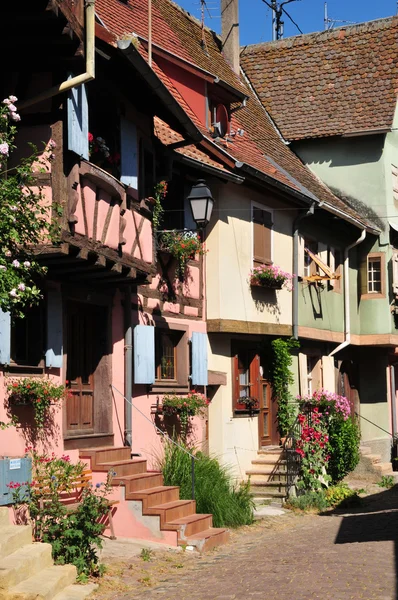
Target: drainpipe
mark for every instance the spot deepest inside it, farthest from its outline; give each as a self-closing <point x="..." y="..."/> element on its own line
<point x="295" y="297"/>
<point x="346" y="291"/>
<point x="90" y="63"/>
<point x="128" y="367"/>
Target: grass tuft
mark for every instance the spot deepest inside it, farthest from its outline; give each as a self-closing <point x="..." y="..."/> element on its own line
<point x="215" y="492"/>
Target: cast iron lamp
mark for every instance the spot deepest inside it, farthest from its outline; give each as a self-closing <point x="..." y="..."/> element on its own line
<point x="201" y="202"/>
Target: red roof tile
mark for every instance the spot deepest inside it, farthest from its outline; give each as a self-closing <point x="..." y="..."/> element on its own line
<point x="328" y="83"/>
<point x="260" y="147"/>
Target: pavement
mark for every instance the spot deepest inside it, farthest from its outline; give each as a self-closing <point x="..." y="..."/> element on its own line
<point x="350" y="554"/>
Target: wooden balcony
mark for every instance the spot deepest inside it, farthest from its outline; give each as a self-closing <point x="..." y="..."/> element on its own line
<point x="106" y="235"/>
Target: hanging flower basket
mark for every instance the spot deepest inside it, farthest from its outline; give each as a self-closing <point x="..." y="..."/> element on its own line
<point x="38" y="393"/>
<point x="183" y="245"/>
<point x="271" y="277"/>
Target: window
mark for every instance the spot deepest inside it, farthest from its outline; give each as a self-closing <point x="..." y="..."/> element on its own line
<point x="334" y="263"/>
<point x="27" y="339"/>
<point x="314" y="374"/>
<point x="146" y="179"/>
<point x="262" y="236"/>
<point x="171" y="358"/>
<point x="166" y="356"/>
<point x="372" y="276"/>
<point x="246" y="376"/>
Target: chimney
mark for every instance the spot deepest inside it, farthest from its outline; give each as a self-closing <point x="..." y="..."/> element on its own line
<point x="230" y="32"/>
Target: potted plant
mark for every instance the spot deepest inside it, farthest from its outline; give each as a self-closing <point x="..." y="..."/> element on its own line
<point x="270" y="276"/>
<point x="184" y="407"/>
<point x="38" y="393"/>
<point x="183" y="245"/>
<point x="101" y="155"/>
<point x="251" y="404"/>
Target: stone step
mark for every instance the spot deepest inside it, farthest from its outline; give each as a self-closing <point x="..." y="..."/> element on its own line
<point x="13" y="537"/>
<point x="365" y="450"/>
<point x="123" y="467"/>
<point x="141" y="481"/>
<point x="155" y="496"/>
<point x="271" y="452"/>
<point x="271" y="477"/>
<point x="375" y="458"/>
<point x="23" y="563"/>
<point x="268" y="489"/>
<point x="44" y="585"/>
<point x="190" y="525"/>
<point x="170" y="511"/>
<point x="4" y="516"/>
<point x="268" y="461"/>
<point x="105" y="454"/>
<point x="208" y="539"/>
<point x="76" y="592"/>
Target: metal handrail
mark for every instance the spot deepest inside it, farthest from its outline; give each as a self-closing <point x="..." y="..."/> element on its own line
<point x="193" y="458"/>
<point x="375" y="424"/>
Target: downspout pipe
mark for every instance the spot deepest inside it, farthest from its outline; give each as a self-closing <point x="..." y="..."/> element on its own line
<point x="128" y="367"/>
<point x="90" y="63"/>
<point x="295" y="291"/>
<point x="346" y="291"/>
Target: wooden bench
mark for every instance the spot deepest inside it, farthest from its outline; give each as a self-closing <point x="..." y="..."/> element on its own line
<point x="71" y="496"/>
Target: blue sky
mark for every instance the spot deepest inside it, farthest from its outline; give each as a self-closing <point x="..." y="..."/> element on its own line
<point x="255" y="16"/>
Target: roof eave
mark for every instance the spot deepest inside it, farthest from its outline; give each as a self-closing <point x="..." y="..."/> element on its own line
<point x="134" y="57"/>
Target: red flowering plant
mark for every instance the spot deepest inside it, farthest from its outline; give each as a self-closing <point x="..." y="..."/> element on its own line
<point x="183" y="245"/>
<point x="37" y="392"/>
<point x="313" y="447"/>
<point x="185" y="407"/>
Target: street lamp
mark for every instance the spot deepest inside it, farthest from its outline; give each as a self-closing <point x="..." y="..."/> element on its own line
<point x="201" y="202"/>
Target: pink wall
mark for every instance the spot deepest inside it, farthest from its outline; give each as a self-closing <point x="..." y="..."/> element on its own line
<point x="190" y="86"/>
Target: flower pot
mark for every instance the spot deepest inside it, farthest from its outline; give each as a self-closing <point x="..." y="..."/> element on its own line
<point x="271" y="285"/>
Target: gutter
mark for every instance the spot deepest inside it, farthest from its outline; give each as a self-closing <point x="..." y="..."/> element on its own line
<point x="349" y="219"/>
<point x="295" y="290"/>
<point x="128" y="368"/>
<point x="347" y="316"/>
<point x="89" y="75"/>
<point x="275" y="183"/>
<point x="209" y="169"/>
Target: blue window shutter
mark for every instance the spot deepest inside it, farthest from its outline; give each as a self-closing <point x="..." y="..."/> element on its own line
<point x="144" y="354"/>
<point x="5" y="338"/>
<point x="199" y="358"/>
<point x="78" y="121"/>
<point x="54" y="351"/>
<point x="129" y="153"/>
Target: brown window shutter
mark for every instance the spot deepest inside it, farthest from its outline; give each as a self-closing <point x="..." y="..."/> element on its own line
<point x="363" y="276"/>
<point x="262" y="227"/>
<point x="255" y="377"/>
<point x="235" y="380"/>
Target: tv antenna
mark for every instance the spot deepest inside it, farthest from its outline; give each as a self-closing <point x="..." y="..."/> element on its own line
<point x="329" y="23"/>
<point x="277" y="21"/>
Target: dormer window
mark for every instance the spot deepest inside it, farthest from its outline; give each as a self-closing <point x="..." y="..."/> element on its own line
<point x="220" y="120"/>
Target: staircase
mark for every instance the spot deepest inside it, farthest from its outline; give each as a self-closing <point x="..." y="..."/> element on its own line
<point x="370" y="465"/>
<point x="268" y="474"/>
<point x="149" y="509"/>
<point x="27" y="571"/>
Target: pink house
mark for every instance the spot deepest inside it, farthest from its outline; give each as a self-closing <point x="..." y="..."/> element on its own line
<point x="116" y="325"/>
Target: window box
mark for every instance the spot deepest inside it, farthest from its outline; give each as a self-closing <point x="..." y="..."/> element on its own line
<point x="270" y="285"/>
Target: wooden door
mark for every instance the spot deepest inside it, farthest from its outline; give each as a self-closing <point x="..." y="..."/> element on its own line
<point x="80" y="368"/>
<point x="267" y="421"/>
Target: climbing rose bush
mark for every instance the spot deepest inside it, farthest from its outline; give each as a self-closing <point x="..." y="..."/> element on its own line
<point x="327" y="402"/>
<point x="24" y="217"/>
<point x="313" y="447"/>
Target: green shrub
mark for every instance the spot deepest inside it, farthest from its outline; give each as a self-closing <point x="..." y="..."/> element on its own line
<point x="310" y="501"/>
<point x="231" y="505"/>
<point x="344" y="438"/>
<point x="335" y="496"/>
<point x="74" y="536"/>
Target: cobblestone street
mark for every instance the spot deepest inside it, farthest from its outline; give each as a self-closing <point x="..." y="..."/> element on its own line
<point x="293" y="557"/>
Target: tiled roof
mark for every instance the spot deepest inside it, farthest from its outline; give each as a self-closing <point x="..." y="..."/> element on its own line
<point x="168" y="136"/>
<point x="260" y="147"/>
<point x="328" y="83"/>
